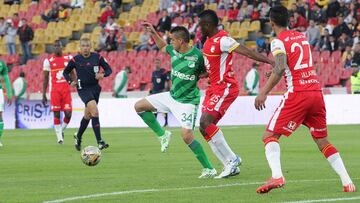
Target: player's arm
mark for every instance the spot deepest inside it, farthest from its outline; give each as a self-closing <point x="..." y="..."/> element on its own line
<point x="160" y="43"/>
<point x="275" y="77"/>
<point x="107" y="69"/>
<point x="7" y="83"/>
<point x="243" y="50"/>
<point x="68" y="69"/>
<point x="46" y="73"/>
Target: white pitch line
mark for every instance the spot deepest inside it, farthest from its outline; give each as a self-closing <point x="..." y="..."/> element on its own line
<point x="173" y="189"/>
<point x="327" y="200"/>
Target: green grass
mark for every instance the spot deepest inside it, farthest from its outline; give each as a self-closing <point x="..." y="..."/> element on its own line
<point x="34" y="168"/>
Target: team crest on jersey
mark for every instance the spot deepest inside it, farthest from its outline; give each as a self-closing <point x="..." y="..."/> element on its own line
<point x="216" y="40"/>
<point x="191" y="64"/>
<point x="291" y="125"/>
<point x="66" y="63"/>
<point x="286" y="39"/>
<point x="96" y="69"/>
<point x="51" y="59"/>
<point x="212" y="49"/>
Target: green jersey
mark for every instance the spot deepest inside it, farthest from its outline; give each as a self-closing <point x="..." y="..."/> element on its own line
<point x="4" y="74"/>
<point x="185" y="71"/>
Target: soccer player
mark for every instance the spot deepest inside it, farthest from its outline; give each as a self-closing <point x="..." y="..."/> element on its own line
<point x="303" y="102"/>
<point x="4" y="74"/>
<point x="184" y="96"/>
<point x="87" y="65"/>
<point x="60" y="94"/>
<point x="223" y="89"/>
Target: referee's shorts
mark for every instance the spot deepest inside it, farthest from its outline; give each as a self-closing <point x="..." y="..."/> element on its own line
<point x="90" y="93"/>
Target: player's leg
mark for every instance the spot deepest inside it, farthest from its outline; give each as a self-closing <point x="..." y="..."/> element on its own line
<point x="1" y="112"/>
<point x="66" y="120"/>
<point x="57" y="127"/>
<point x="83" y="125"/>
<point x="67" y="108"/>
<point x="316" y="122"/>
<point x="145" y="108"/>
<point x="94" y="112"/>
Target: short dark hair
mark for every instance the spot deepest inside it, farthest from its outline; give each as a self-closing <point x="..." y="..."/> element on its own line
<point x="58" y="42"/>
<point x="181" y="32"/>
<point x="210" y="16"/>
<point x="279" y="15"/>
<point x="22" y="74"/>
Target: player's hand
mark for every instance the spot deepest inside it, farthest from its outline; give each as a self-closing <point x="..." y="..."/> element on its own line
<point x="44" y="99"/>
<point x="99" y="76"/>
<point x="260" y="101"/>
<point x="267" y="74"/>
<point x="149" y="27"/>
<point x="73" y="84"/>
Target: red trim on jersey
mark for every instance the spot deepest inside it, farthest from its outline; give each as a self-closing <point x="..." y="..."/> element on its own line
<point x="329" y="150"/>
<point x="211" y="130"/>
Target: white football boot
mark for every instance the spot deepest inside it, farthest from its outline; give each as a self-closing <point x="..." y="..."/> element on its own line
<point x="230" y="169"/>
<point x="208" y="173"/>
<point x="165" y="141"/>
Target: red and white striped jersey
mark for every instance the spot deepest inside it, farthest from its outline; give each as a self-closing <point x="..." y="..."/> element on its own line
<point x="300" y="74"/>
<point x="218" y="58"/>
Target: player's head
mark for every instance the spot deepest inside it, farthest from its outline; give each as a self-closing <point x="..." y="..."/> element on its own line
<point x="179" y="36"/>
<point x="128" y="69"/>
<point x="208" y="22"/>
<point x="279" y="16"/>
<point x="58" y="47"/>
<point x="22" y="74"/>
<point x="157" y="64"/>
<point x="85" y="46"/>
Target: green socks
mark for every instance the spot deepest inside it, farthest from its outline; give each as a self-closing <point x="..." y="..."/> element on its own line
<point x="1" y="128"/>
<point x="200" y="154"/>
<point x="150" y="120"/>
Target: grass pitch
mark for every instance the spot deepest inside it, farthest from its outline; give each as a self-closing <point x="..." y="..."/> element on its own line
<point x="34" y="168"/>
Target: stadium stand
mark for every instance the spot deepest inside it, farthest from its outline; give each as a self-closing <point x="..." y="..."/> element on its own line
<point x="84" y="23"/>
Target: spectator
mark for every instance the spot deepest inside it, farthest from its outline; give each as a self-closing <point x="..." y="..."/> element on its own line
<point x="313" y="33"/>
<point x="348" y="61"/>
<point x="343" y="9"/>
<point x="2" y="27"/>
<point x="102" y="40"/>
<point x="191" y="26"/>
<point x="26" y="35"/>
<point x="307" y="12"/>
<point x="356" y="54"/>
<point x="356" y="38"/>
<point x="332" y="8"/>
<point x="245" y="11"/>
<point x="347" y="55"/>
<point x="63" y="14"/>
<point x="333" y="44"/>
<point x="251" y="82"/>
<point x="53" y="14"/>
<point x="355" y="79"/>
<point x="10" y="37"/>
<point x="322" y="3"/>
<point x="164" y="22"/>
<point x="301" y="8"/>
<point x="317" y="14"/>
<point x="267" y="45"/>
<point x="15" y="20"/>
<point x="19" y="87"/>
<point x="324" y="41"/>
<point x="11" y="2"/>
<point x="255" y="14"/>
<point x="260" y="42"/>
<point x="199" y="7"/>
<point x="233" y="12"/>
<point x="264" y="9"/>
<point x="344" y="41"/>
<point x="189" y="9"/>
<point x="77" y="4"/>
<point x="122" y="40"/>
<point x="341" y="28"/>
<point x="143" y="39"/>
<point x="111" y="41"/>
<point x="121" y="83"/>
<point x="300" y="21"/>
<point x="111" y="25"/>
<point x="105" y="15"/>
<point x="164" y="4"/>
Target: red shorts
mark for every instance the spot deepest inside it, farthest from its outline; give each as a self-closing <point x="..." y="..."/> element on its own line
<point x="60" y="100"/>
<point x="298" y="108"/>
<point x="219" y="98"/>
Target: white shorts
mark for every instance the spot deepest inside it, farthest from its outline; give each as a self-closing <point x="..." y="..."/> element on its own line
<point x="1" y="100"/>
<point x="184" y="113"/>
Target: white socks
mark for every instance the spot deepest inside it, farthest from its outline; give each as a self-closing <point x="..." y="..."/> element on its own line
<point x="63" y="127"/>
<point x="338" y="166"/>
<point x="272" y="152"/>
<point x="58" y="132"/>
<point x="221" y="149"/>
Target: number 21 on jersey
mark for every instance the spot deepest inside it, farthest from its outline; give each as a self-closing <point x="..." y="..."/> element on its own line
<point x="304" y="49"/>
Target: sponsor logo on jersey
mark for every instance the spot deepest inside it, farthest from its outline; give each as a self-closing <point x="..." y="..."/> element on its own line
<point x="191" y="58"/>
<point x="192" y="65"/>
<point x="182" y="76"/>
<point x="96" y="69"/>
<point x="291" y="125"/>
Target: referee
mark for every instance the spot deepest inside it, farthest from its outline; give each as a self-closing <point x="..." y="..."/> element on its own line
<point x="87" y="65"/>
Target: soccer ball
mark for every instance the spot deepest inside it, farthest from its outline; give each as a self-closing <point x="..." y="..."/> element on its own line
<point x="90" y="155"/>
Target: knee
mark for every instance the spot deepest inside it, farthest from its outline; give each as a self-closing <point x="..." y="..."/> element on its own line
<point x="204" y="123"/>
<point x="94" y="114"/>
<point x="57" y="114"/>
<point x="138" y="106"/>
<point x="270" y="137"/>
<point x="68" y="114"/>
<point x="188" y="136"/>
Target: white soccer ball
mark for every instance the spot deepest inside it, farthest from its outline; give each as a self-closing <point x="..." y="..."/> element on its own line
<point x="90" y="155"/>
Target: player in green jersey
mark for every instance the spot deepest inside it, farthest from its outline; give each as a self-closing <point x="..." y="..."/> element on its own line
<point x="182" y="101"/>
<point x="4" y="74"/>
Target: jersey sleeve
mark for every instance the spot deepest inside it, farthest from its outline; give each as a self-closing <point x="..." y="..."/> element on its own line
<point x="46" y="65"/>
<point x="104" y="64"/>
<point x="201" y="64"/>
<point x="169" y="50"/>
<point x="277" y="47"/>
<point x="228" y="44"/>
